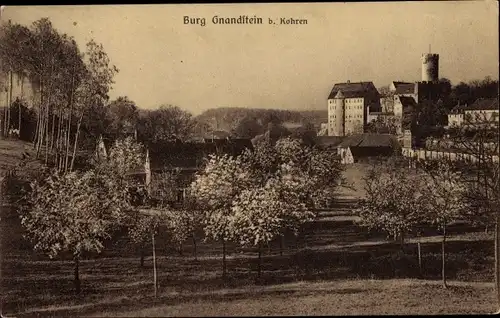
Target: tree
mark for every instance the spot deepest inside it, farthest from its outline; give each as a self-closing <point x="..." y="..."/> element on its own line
<point x="166" y="123"/>
<point x="125" y="156"/>
<point x="382" y="125"/>
<point x="26" y="117"/>
<point x="325" y="169"/>
<point x="248" y="127"/>
<point x="215" y="188"/>
<point x="124" y="116"/>
<point x="96" y="83"/>
<point x="306" y="134"/>
<point x="73" y="212"/>
<point x="478" y="137"/>
<point x="140" y="230"/>
<point x="445" y="200"/>
<point x="259" y="215"/>
<point x="14" y="40"/>
<point x="394" y="200"/>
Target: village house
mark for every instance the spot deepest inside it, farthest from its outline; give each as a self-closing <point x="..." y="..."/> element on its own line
<point x="359" y="147"/>
<point x="177" y="158"/>
<point x="483" y="110"/>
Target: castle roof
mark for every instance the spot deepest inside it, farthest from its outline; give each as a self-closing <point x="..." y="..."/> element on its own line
<point x="404" y="88"/>
<point x="407" y="101"/>
<point x="353" y="90"/>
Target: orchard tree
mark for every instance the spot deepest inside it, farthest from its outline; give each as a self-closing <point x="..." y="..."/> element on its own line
<point x="258" y="216"/>
<point x="125" y="156"/>
<point x="73" y="213"/>
<point x="325" y="170"/>
<point x="140" y="230"/>
<point x="480" y="138"/>
<point x="215" y="188"/>
<point x="445" y="200"/>
<point x="394" y="200"/>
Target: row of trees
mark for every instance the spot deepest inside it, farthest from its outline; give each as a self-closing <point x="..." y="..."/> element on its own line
<point x="69" y="85"/>
<point x="256" y="197"/>
<point x="401" y="200"/>
<point x="249" y="199"/>
<point x="70" y="107"/>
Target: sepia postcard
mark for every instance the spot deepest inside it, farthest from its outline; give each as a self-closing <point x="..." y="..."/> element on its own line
<point x="250" y="159"/>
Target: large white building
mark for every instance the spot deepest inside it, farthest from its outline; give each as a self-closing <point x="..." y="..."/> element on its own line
<point x="348" y="107"/>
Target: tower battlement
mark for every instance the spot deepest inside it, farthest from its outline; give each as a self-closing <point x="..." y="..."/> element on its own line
<point x="430" y="67"/>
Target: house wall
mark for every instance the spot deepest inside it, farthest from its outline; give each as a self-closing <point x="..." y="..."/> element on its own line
<point x="354" y="115"/>
<point x="336" y="108"/>
<point x="347" y="116"/>
<point x="480" y="115"/>
<point x="455" y="119"/>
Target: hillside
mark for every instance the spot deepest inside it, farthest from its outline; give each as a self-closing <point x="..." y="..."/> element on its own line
<point x="227" y="118"/>
<point x="11" y="153"/>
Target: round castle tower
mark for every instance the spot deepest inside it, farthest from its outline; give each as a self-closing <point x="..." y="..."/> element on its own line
<point x="430" y="67"/>
<point x="339" y="104"/>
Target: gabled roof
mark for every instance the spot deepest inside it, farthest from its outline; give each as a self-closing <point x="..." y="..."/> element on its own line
<point x="329" y="141"/>
<point x="352" y="90"/>
<point x="370" y="141"/>
<point x="459" y="109"/>
<point x="479" y="104"/>
<point x="404" y="88"/>
<point x="484" y="104"/>
<point x="217" y="134"/>
<point x="192" y="154"/>
<point x="407" y="101"/>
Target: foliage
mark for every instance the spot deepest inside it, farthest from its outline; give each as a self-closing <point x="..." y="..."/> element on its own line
<point x="248" y="127"/>
<point x="229" y="118"/>
<point x="165" y="124"/>
<point x="142" y="227"/>
<point x="125" y="156"/>
<point x="445" y="193"/>
<point x="215" y="188"/>
<point x="394" y="199"/>
<point x="164" y="186"/>
<point x="382" y="125"/>
<point x="258" y="215"/>
<point x="123" y="116"/>
<point x="73" y="212"/>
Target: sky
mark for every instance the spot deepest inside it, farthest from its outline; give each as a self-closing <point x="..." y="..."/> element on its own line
<point x="164" y="61"/>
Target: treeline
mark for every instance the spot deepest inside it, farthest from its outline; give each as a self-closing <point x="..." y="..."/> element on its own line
<point x="250" y="122"/>
<point x="70" y="87"/>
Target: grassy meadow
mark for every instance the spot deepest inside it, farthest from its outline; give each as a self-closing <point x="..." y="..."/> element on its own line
<point x="333" y="268"/>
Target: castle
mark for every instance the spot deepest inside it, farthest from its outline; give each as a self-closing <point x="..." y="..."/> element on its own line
<point x="351" y="106"/>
